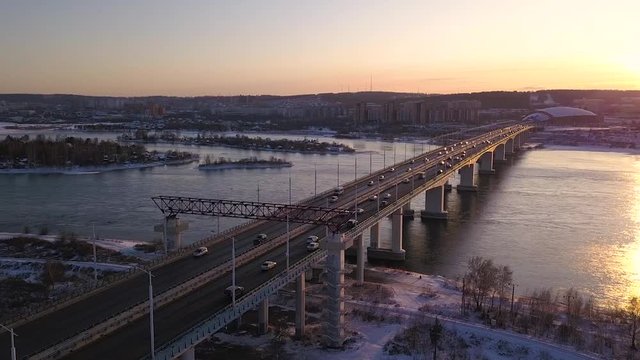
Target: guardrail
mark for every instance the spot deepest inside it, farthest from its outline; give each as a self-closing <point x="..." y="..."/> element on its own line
<point x="122" y="318"/>
<point x="210" y="326"/>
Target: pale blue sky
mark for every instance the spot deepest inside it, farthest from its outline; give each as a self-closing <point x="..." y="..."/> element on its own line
<point x="287" y="47"/>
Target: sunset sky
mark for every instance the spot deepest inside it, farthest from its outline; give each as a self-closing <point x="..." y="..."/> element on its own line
<point x="208" y="47"/>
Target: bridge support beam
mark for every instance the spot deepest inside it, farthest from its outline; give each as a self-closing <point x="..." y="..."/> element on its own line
<point x="359" y="242"/>
<point x="500" y="154"/>
<point x="509" y="147"/>
<point x="434" y="204"/>
<point x="407" y="211"/>
<point x="171" y="230"/>
<point x="373" y="239"/>
<point x="188" y="355"/>
<point x="396" y="233"/>
<point x="334" y="309"/>
<point x="263" y="317"/>
<point x="486" y="163"/>
<point x="300" y="306"/>
<point x="467" y="178"/>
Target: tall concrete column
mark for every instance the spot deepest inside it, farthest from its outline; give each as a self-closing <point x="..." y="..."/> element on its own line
<point x="300" y="306"/>
<point x="359" y="242"/>
<point x="374" y="231"/>
<point x="171" y="230"/>
<point x="396" y="232"/>
<point x="188" y="355"/>
<point x="509" y="147"/>
<point x="407" y="211"/>
<point x="467" y="178"/>
<point x="499" y="154"/>
<point x="263" y="317"/>
<point x="334" y="310"/>
<point x="434" y="204"/>
<point x="486" y="163"/>
<point x="516" y="141"/>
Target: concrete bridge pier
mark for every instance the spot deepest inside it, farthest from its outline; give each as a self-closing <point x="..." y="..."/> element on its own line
<point x="188" y="355"/>
<point x="334" y="309"/>
<point x="486" y="163"/>
<point x="263" y="317"/>
<point x="516" y="141"/>
<point x="467" y="178"/>
<point x="374" y="231"/>
<point x="434" y="204"/>
<point x="407" y="211"/>
<point x="396" y="235"/>
<point x="509" y="147"/>
<point x="300" y="306"/>
<point x="172" y="232"/>
<point x="359" y="243"/>
<point x="499" y="155"/>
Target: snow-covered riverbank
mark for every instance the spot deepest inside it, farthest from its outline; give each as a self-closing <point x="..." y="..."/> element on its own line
<point x="88" y="170"/>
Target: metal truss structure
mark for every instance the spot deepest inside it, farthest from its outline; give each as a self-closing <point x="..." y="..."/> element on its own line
<point x="335" y="219"/>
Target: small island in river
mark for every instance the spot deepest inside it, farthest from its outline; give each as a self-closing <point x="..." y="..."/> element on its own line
<point x="73" y="155"/>
<point x="246" y="163"/>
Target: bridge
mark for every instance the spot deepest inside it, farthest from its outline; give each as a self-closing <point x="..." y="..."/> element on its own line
<point x="112" y="320"/>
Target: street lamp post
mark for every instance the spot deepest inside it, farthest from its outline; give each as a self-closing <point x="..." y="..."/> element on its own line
<point x="338" y="172"/>
<point x="13" y="343"/>
<point x="151" y="330"/>
<point x="95" y="258"/>
<point x="315" y="179"/>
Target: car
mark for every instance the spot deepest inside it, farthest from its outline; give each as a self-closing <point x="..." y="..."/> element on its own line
<point x="359" y="210"/>
<point x="384" y="203"/>
<point x="441" y="162"/>
<point x="312" y="238"/>
<point x="409" y="169"/>
<point x="387" y="196"/>
<point x="338" y="191"/>
<point x="449" y="165"/>
<point x="313" y="246"/>
<point x="413" y="160"/>
<point x="422" y="175"/>
<point x="370" y="183"/>
<point x="333" y="199"/>
<point x="392" y="169"/>
<point x="238" y="290"/>
<point x="201" y="251"/>
<point x="267" y="265"/>
<point x="426" y="159"/>
<point x="440" y="172"/>
<point x="373" y="197"/>
<point x="259" y="238"/>
<point x="381" y="177"/>
<point x="351" y="223"/>
<point x="406" y="180"/>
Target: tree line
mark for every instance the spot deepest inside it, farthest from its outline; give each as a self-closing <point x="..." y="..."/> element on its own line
<point x="72" y="151"/>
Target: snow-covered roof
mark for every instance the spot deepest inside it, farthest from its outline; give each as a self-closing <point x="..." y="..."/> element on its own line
<point x="565" y="111"/>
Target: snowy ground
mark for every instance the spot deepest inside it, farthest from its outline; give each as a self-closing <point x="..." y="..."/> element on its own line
<point x="409" y="299"/>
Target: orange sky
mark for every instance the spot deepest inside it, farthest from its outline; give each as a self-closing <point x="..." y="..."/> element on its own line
<point x="289" y="47"/>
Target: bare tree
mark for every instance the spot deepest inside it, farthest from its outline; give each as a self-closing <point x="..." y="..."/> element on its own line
<point x="633" y="313"/>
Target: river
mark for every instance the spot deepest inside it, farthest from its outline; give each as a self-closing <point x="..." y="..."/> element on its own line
<point x="559" y="217"/>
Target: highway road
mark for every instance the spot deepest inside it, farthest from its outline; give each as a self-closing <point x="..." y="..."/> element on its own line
<point x="133" y="340"/>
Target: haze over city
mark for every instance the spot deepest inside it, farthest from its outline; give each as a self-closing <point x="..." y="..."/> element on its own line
<point x="190" y="48"/>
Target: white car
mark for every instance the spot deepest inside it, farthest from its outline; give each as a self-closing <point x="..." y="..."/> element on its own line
<point x="413" y="161"/>
<point x="387" y="196"/>
<point x="381" y="177"/>
<point x="409" y="169"/>
<point x="406" y="180"/>
<point x="312" y="238"/>
<point x="360" y="210"/>
<point x="201" y="251"/>
<point x="373" y="197"/>
<point x="333" y="199"/>
<point x="392" y="169"/>
<point x="313" y="246"/>
<point x="370" y="183"/>
<point x="384" y="203"/>
<point x="267" y="265"/>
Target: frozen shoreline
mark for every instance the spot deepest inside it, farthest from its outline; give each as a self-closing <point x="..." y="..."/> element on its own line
<point x="243" y="166"/>
<point x="89" y="170"/>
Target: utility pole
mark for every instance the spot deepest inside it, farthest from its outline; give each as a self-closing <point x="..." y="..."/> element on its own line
<point x="13" y="343"/>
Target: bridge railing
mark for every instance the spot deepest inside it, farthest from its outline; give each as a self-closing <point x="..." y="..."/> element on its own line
<point x="210" y="326"/>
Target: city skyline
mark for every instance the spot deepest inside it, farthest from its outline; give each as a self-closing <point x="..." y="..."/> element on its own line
<point x="284" y="47"/>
